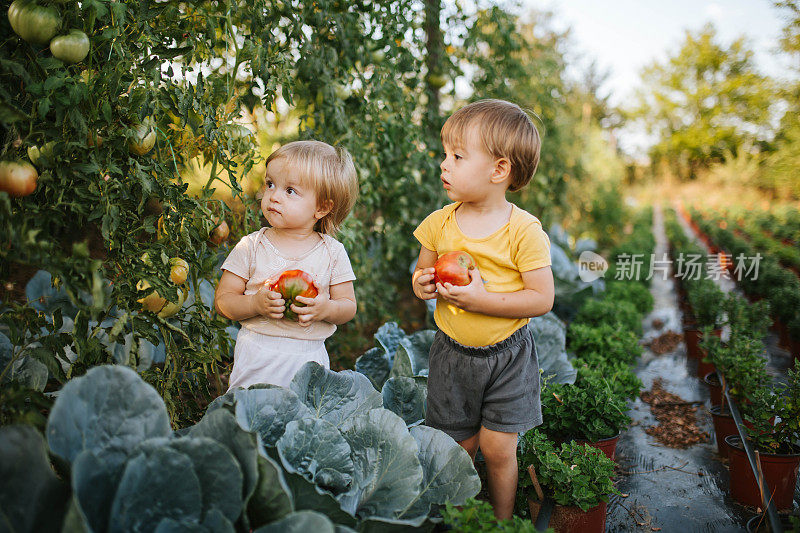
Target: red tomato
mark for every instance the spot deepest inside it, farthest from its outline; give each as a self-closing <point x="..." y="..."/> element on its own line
<point x="453" y="268"/>
<point x="18" y="178"/>
<point x="290" y="285"/>
<point x="219" y="233"/>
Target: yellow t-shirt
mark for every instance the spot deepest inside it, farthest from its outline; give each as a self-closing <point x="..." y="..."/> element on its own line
<point x="519" y="246"/>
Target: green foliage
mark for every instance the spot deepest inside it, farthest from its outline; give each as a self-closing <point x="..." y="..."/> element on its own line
<point x="704" y="100"/>
<point x="591" y="409"/>
<point x="707" y="300"/>
<point x="605" y="342"/>
<point x="573" y="474"/>
<point x="775" y="416"/>
<point x="620" y="377"/>
<point x="620" y="314"/>
<point x="523" y="62"/>
<point x="636" y="293"/>
<point x="477" y="516"/>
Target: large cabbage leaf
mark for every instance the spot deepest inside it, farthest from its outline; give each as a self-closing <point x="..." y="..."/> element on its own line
<point x="214" y="522"/>
<point x="32" y="498"/>
<point x="300" y="522"/>
<point x="374" y="364"/>
<point x="156" y="485"/>
<point x="267" y="410"/>
<point x="308" y="496"/>
<point x="272" y="498"/>
<point x="388" y="337"/>
<point x="110" y="408"/>
<point x="215" y="467"/>
<point x="221" y="426"/>
<point x="406" y="398"/>
<point x="449" y="474"/>
<point x="334" y="396"/>
<point x="95" y="478"/>
<point x="314" y="448"/>
<point x="387" y="475"/>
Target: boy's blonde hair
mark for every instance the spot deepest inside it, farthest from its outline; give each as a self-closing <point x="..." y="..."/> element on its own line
<point x="504" y="129"/>
<point x="329" y="171"/>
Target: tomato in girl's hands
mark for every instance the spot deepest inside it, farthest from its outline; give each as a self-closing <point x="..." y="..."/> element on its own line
<point x="290" y="285"/>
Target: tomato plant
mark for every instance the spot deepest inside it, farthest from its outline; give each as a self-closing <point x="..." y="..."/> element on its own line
<point x="291" y="284"/>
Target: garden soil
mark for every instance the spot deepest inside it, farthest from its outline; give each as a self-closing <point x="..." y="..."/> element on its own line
<point x="666" y="487"/>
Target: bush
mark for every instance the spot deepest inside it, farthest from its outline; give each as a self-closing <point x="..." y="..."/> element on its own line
<point x="636" y="293"/>
<point x="620" y="314"/>
<point x="621" y="378"/>
<point x="606" y="342"/>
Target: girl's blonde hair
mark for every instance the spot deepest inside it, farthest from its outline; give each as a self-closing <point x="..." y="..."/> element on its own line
<point x="329" y="171"/>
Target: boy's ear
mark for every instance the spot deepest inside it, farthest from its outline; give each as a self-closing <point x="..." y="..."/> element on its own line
<point x="502" y="170"/>
<point x="323" y="209"/>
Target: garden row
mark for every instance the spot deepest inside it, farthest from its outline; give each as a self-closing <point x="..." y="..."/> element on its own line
<point x="603" y="342"/>
<point x="760" y="276"/>
<point x="770" y="411"/>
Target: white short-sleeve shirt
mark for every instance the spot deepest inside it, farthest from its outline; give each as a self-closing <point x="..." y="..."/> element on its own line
<point x="257" y="260"/>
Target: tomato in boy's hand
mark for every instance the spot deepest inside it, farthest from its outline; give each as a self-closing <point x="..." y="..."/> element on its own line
<point x="290" y="285"/>
<point x="453" y="268"/>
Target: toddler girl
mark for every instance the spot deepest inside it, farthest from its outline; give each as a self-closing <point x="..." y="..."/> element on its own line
<point x="310" y="188"/>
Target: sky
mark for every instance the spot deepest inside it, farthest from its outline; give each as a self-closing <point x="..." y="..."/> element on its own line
<point x="623" y="36"/>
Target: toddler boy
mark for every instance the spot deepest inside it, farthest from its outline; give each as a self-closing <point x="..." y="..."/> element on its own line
<point x="483" y="386"/>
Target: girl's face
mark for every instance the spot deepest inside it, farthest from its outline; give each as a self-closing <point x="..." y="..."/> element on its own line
<point x="288" y="204"/>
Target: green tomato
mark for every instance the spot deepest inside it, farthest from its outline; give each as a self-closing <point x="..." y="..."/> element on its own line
<point x="144" y="138"/>
<point x="34" y="23"/>
<point x="437" y="81"/>
<point x="70" y="48"/>
<point x="43" y="155"/>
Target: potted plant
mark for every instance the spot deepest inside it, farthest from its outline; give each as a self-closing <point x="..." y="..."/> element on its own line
<point x="741" y="362"/>
<point x="576" y="476"/>
<point x="592" y="410"/>
<point x="773" y="430"/>
<point x="707" y="301"/>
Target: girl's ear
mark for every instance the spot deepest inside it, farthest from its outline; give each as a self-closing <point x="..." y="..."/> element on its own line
<point x="502" y="170"/>
<point x="323" y="209"/>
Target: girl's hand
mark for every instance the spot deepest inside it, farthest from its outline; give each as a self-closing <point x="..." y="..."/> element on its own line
<point x="423" y="285"/>
<point x="268" y="303"/>
<point x="466" y="297"/>
<point x="315" y="309"/>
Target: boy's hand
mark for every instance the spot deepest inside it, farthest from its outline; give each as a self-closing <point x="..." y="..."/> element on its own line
<point x="315" y="309"/>
<point x="268" y="303"/>
<point x="423" y="285"/>
<point x="466" y="297"/>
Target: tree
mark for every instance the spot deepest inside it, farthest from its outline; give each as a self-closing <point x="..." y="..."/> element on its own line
<point x="523" y="61"/>
<point x="704" y="100"/>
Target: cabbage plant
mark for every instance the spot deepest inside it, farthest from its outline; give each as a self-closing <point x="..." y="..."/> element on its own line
<point x="323" y="455"/>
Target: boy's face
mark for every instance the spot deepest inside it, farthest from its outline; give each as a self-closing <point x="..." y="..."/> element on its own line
<point x="467" y="169"/>
<point x="287" y="203"/>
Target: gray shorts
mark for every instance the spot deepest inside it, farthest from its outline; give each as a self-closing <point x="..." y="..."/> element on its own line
<point x="495" y="386"/>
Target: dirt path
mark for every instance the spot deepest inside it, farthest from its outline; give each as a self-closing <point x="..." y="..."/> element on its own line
<point x="669" y="489"/>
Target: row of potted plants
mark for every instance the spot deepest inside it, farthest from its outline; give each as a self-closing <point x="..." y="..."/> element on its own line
<point x="572" y="452"/>
<point x="777" y="285"/>
<point x="771" y="412"/>
<point x="781" y="223"/>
